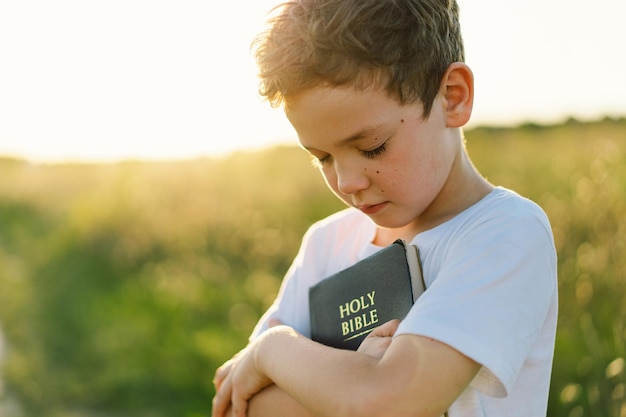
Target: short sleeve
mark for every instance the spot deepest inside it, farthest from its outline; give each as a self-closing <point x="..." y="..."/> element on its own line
<point x="490" y="295"/>
<point x="328" y="246"/>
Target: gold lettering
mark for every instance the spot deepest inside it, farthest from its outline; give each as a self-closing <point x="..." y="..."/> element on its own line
<point x="358" y="323"/>
<point x="362" y="321"/>
<point x="356" y="305"/>
<point x="374" y="316"/>
<point x="365" y="322"/>
<point x="344" y="310"/>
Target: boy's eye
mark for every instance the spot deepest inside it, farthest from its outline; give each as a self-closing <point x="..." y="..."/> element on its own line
<point x="318" y="161"/>
<point x="323" y="160"/>
<point x="375" y="152"/>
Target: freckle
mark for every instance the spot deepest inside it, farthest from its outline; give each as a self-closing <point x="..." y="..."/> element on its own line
<point x="378" y="172"/>
<point x="401" y="120"/>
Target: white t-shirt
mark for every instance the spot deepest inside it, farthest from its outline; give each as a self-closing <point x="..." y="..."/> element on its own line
<point x="491" y="294"/>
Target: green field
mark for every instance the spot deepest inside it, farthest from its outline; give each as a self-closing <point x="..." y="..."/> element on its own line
<point x="123" y="286"/>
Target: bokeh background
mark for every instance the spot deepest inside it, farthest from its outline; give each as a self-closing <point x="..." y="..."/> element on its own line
<point x="150" y="202"/>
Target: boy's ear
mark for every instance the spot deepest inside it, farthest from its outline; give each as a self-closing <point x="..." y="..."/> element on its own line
<point x="458" y="90"/>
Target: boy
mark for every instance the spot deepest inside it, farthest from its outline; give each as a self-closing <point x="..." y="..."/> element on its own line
<point x="378" y="93"/>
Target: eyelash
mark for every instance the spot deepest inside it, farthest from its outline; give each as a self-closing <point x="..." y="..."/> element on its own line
<point x="371" y="154"/>
<point x="375" y="152"/>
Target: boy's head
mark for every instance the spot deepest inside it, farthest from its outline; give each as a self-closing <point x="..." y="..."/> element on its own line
<point x="401" y="46"/>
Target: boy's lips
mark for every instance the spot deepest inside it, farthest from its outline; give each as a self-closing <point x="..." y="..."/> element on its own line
<point x="372" y="208"/>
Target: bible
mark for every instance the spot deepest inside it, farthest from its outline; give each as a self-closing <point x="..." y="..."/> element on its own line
<point x="347" y="306"/>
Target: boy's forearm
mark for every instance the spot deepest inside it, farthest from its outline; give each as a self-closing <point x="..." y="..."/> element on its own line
<point x="416" y="376"/>
<point x="274" y="402"/>
<point x="315" y="376"/>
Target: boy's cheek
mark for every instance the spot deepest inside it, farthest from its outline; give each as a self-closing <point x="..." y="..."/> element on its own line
<point x="331" y="180"/>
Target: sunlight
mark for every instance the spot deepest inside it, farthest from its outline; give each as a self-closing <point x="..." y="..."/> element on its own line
<point x="144" y="80"/>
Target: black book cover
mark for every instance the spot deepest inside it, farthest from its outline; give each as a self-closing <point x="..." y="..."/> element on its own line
<point x="348" y="305"/>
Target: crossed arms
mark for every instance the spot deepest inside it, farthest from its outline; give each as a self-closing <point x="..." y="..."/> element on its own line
<point x="285" y="373"/>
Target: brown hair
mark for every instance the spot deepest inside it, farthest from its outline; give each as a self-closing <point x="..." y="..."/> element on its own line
<point x="404" y="46"/>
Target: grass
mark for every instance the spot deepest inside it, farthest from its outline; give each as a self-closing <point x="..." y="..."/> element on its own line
<point x="125" y="285"/>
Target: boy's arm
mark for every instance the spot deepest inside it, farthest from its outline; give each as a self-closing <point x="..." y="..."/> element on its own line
<point x="416" y="376"/>
<point x="273" y="401"/>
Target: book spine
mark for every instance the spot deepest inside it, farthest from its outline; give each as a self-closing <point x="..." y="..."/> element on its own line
<point x="415" y="268"/>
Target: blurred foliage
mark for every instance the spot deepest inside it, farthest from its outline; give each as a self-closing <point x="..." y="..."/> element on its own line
<point x="125" y="285"/>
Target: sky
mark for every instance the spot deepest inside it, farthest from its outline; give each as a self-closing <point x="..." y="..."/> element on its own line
<point x="88" y="80"/>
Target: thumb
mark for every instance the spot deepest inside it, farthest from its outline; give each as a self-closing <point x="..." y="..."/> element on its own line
<point x="386" y="330"/>
<point x="273" y="322"/>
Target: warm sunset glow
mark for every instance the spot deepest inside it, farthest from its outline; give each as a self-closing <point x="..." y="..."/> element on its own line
<point x="138" y="79"/>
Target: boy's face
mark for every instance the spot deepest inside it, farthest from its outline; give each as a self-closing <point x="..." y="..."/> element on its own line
<point x="377" y="155"/>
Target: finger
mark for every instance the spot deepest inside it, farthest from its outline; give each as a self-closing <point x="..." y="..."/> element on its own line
<point x="222" y="399"/>
<point x="273" y="322"/>
<point x="239" y="406"/>
<point x="221" y="373"/>
<point x="386" y="330"/>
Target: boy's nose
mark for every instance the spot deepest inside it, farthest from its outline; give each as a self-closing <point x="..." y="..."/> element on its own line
<point x="350" y="180"/>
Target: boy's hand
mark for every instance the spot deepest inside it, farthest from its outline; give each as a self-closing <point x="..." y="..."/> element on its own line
<point x="237" y="380"/>
<point x="222" y="372"/>
<point x="223" y="386"/>
<point x="377" y="342"/>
